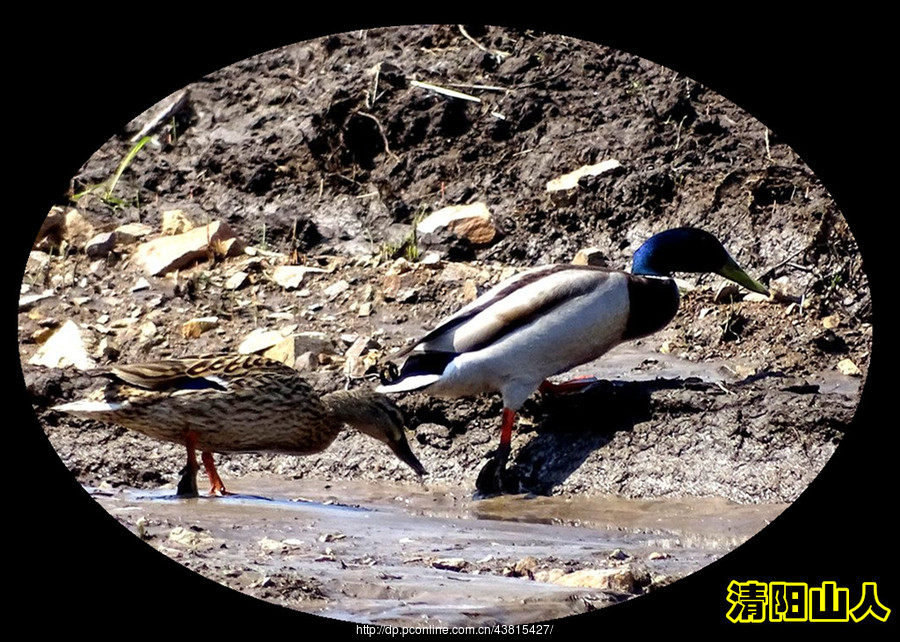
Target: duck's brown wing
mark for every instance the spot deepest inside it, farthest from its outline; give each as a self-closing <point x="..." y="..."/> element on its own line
<point x="194" y="372"/>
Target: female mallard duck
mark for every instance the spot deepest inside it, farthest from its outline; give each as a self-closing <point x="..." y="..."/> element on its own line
<point x="549" y="319"/>
<point x="241" y="403"/>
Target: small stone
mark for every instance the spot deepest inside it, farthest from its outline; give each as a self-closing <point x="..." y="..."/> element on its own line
<point x="337" y="288"/>
<point x="727" y="293"/>
<point x="526" y="566"/>
<point x="848" y="368"/>
<point x="472" y="222"/>
<point x="77" y="228"/>
<point x="365" y="309"/>
<point x="831" y="321"/>
<point x="176" y="222"/>
<point x="431" y="259"/>
<point x="454" y="272"/>
<point x="306" y="362"/>
<point x="169" y="253"/>
<point x="28" y="301"/>
<point x="291" y="276"/>
<point x="450" y="564"/>
<point x="360" y="357"/>
<point x="52" y="229"/>
<point x="65" y="347"/>
<point x="193" y="328"/>
<point x="549" y="576"/>
<point x="783" y="289"/>
<point x="100" y="245"/>
<point x="132" y="232"/>
<point x="259" y="340"/>
<point x="469" y="291"/>
<point x="315" y="342"/>
<point x="191" y="538"/>
<point x="616" y="579"/>
<point x="570" y="180"/>
<point x="590" y="256"/>
<point x="236" y="281"/>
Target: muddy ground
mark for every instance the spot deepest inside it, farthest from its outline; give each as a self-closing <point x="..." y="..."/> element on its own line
<point x="312" y="162"/>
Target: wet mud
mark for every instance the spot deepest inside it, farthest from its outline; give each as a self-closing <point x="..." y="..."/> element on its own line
<point x="402" y="555"/>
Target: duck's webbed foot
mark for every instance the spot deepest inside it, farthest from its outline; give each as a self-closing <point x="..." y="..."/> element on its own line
<point x="494" y="478"/>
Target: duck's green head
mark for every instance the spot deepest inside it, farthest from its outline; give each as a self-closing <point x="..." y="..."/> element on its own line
<point x="688" y="249"/>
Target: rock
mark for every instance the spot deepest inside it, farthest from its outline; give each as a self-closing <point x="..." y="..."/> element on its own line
<point x="621" y="579"/>
<point x="549" y="576"/>
<point x="28" y="301"/>
<point x="590" y="256"/>
<point x="236" y="281"/>
<point x="526" y="566"/>
<point x="365" y="309"/>
<point x="291" y="276"/>
<point x="100" y="245"/>
<point x="306" y="362"/>
<point x="315" y="342"/>
<point x="140" y="284"/>
<point x="454" y="272"/>
<point x="783" y="289"/>
<point x="290" y="349"/>
<point x="193" y="328"/>
<point x="169" y="253"/>
<point x="727" y="293"/>
<point x="392" y="285"/>
<point x="337" y="288"/>
<point x="176" y="222"/>
<point x="469" y="291"/>
<point x="431" y="259"/>
<point x="259" y="340"/>
<point x="831" y="321"/>
<point x="66" y="347"/>
<point x="77" y="230"/>
<point x="52" y="229"/>
<point x="37" y="262"/>
<point x="848" y="368"/>
<point x="570" y="180"/>
<point x="450" y="564"/>
<point x="361" y="356"/>
<point x="192" y="539"/>
<point x="471" y="222"/>
<point x="132" y="232"/>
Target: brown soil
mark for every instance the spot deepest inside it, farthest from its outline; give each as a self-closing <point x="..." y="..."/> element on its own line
<point x="295" y="151"/>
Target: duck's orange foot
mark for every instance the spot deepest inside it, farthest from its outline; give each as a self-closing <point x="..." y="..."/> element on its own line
<point x="219" y="491"/>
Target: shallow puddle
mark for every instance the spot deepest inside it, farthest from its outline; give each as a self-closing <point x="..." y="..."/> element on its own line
<point x="391" y="554"/>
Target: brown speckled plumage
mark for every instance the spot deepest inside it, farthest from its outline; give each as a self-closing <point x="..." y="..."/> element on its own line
<point x="239" y="403"/>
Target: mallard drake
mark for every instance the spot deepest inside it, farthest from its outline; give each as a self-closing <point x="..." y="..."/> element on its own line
<point x="240" y="403"/>
<point x="547" y="320"/>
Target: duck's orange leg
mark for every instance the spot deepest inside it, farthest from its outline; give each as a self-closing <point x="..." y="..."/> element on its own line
<point x="509" y="418"/>
<point x="216" y="485"/>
